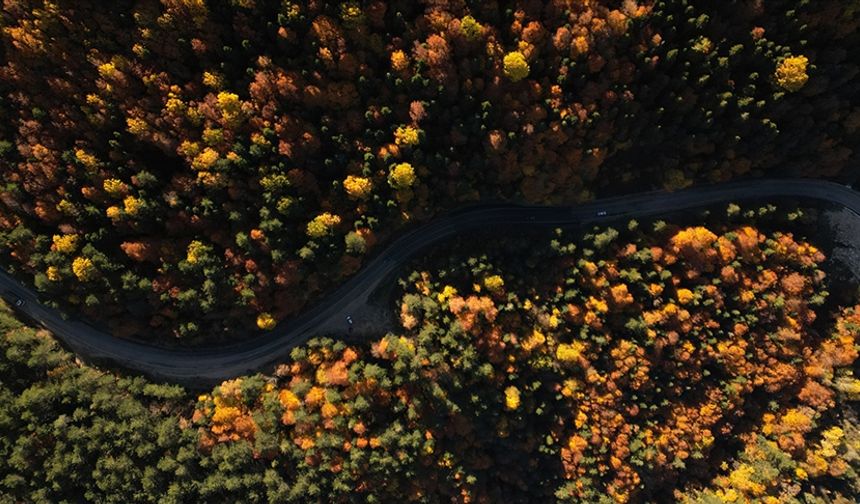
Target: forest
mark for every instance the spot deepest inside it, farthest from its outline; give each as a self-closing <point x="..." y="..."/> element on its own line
<point x="196" y="171"/>
<point x="705" y="359"/>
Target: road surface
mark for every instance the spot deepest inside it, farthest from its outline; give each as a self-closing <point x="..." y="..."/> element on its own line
<point x="202" y="368"/>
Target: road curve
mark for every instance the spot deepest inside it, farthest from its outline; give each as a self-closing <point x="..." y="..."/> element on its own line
<point x="204" y="367"/>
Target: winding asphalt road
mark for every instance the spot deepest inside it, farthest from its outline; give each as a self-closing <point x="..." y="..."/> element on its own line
<point x="204" y="367"/>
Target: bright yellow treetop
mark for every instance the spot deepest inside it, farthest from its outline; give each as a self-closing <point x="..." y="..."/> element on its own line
<point x="196" y="250"/>
<point x="132" y="205"/>
<point x="114" y="187"/>
<point x="494" y="283"/>
<point x="515" y="66"/>
<point x="406" y="135"/>
<point x="205" y="159"/>
<point x="357" y="187"/>
<point x="569" y="352"/>
<point x="685" y="296"/>
<point x="230" y="105"/>
<point x="136" y="126"/>
<point x="84" y="269"/>
<point x="86" y="158"/>
<point x="791" y="73"/>
<point x="322" y="225"/>
<point x="471" y="28"/>
<point x="402" y="176"/>
<point x="266" y="321"/>
<point x="65" y="244"/>
<point x="399" y="61"/>
<point x="512" y="398"/>
<point x="53" y="273"/>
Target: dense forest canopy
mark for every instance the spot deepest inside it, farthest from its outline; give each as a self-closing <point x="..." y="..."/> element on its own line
<point x="691" y="362"/>
<point x="196" y="169"/>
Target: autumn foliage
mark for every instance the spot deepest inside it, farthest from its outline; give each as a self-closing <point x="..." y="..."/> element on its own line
<point x="266" y="132"/>
<point x="624" y="367"/>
